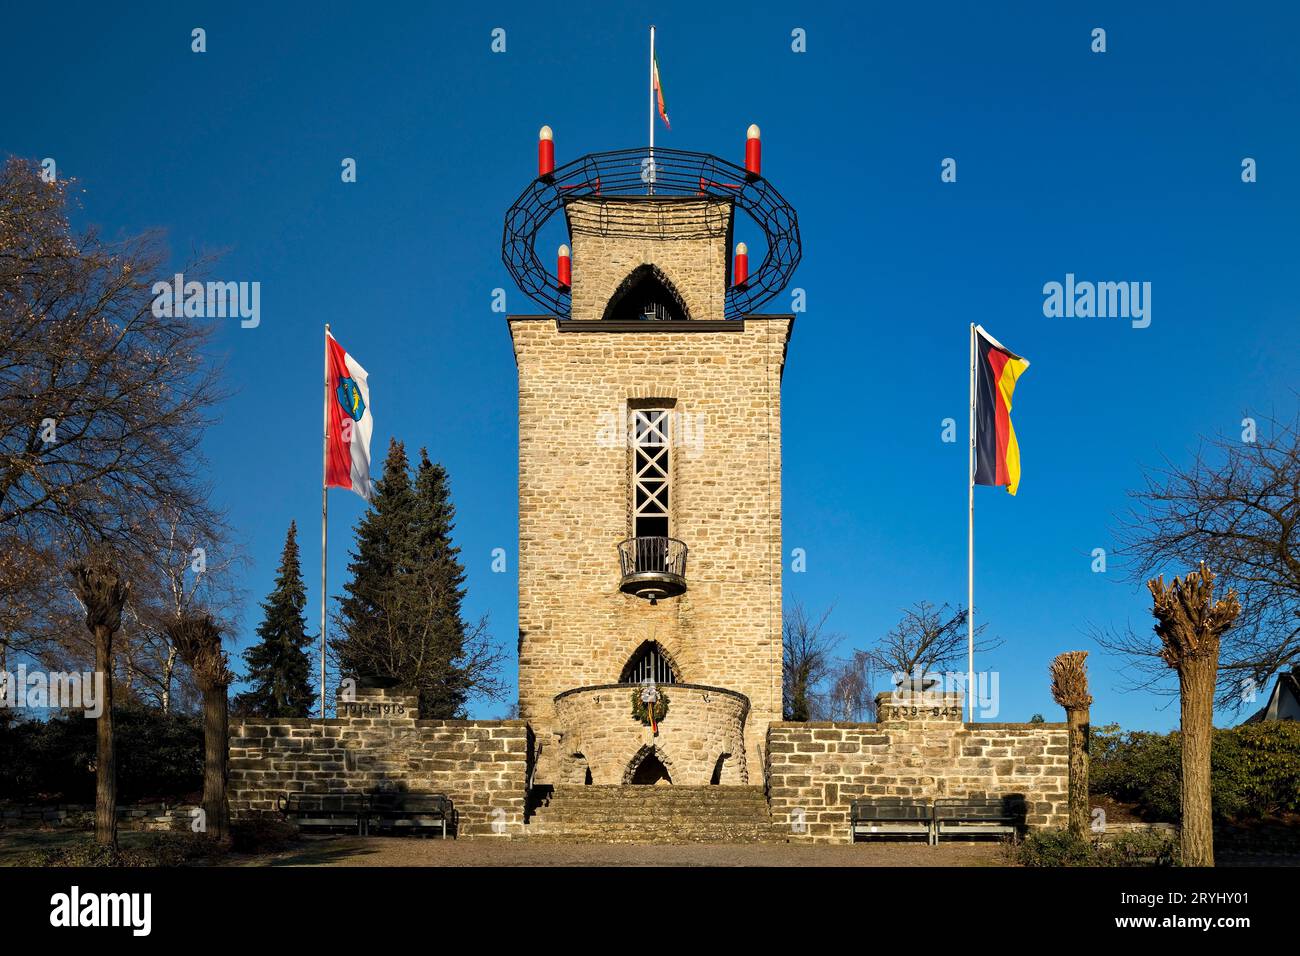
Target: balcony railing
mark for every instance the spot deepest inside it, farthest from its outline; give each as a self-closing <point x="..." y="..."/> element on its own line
<point x="652" y="568"/>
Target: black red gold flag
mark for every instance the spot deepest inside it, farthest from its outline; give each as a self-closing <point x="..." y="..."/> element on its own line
<point x="997" y="455"/>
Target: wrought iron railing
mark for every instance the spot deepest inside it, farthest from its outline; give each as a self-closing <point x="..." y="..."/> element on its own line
<point x="652" y="556"/>
<point x="666" y="173"/>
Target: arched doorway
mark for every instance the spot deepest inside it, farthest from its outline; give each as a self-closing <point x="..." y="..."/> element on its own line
<point x="646" y="768"/>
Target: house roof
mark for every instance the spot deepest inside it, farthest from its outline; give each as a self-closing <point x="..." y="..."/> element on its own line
<point x="1284" y="702"/>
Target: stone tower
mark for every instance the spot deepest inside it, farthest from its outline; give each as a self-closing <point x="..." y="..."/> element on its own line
<point x="649" y="503"/>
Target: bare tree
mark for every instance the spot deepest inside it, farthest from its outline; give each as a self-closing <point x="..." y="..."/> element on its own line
<point x="806" y="662"/>
<point x="1190" y="625"/>
<point x="102" y="402"/>
<point x="927" y="639"/>
<point x="103" y="593"/>
<point x="1070" y="690"/>
<point x="190" y="574"/>
<point x="851" y="683"/>
<point x="1236" y="506"/>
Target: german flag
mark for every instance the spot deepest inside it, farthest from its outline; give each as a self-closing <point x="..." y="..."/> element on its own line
<point x="997" y="456"/>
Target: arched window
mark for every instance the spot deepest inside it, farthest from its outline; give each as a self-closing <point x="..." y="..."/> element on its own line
<point x="649" y="662"/>
<point x="646" y="294"/>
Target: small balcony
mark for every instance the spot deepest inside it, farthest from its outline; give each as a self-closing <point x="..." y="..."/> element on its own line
<point x="653" y="568"/>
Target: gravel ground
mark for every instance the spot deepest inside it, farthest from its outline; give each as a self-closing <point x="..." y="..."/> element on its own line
<point x="388" y="851"/>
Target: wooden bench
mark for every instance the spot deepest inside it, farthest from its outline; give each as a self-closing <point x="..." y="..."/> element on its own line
<point x="891" y="816"/>
<point x="978" y="816"/>
<point x="398" y="810"/>
<point x="327" y="810"/>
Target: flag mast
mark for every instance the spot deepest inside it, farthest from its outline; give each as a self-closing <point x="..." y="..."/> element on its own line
<point x="324" y="513"/>
<point x="651" y="183"/>
<point x="970" y="547"/>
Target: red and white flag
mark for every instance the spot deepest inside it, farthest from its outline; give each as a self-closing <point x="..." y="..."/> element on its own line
<point x="350" y="423"/>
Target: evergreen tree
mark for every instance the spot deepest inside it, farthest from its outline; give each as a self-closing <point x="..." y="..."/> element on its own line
<point x="439" y="561"/>
<point x="400" y="617"/>
<point x="279" y="667"/>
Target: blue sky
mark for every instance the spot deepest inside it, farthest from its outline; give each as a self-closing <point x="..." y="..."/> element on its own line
<point x="1122" y="166"/>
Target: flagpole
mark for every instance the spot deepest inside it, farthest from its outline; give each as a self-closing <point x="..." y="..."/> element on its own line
<point x="651" y="183"/>
<point x="324" y="514"/>
<point x="970" y="546"/>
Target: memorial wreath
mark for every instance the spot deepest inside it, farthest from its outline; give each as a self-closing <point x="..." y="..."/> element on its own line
<point x="641" y="710"/>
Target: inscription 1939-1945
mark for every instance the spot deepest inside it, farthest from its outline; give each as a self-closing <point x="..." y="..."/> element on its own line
<point x="913" y="712"/>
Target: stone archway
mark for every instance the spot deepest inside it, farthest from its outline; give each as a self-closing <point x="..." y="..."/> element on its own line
<point x="646" y="293"/>
<point x="650" y="659"/>
<point x="648" y="766"/>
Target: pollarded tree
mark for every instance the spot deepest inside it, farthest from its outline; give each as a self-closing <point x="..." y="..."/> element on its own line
<point x="1236" y="506"/>
<point x="1070" y="690"/>
<point x="1190" y="625"/>
<point x="279" y="667"/>
<point x="102" y="409"/>
<point x="103" y="593"/>
<point x="198" y="641"/>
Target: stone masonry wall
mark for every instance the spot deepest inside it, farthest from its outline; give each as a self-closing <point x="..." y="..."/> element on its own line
<point x="821" y="768"/>
<point x="703" y="725"/>
<point x="377" y="743"/>
<point x="576" y="629"/>
<point x="686" y="239"/>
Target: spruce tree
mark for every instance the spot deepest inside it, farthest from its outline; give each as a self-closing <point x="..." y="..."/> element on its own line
<point x="368" y="641"/>
<point x="439" y="562"/>
<point x="401" y="615"/>
<point x="279" y="667"/>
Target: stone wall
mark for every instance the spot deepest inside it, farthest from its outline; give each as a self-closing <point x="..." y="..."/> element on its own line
<point x="703" y="726"/>
<point x="816" y="770"/>
<point x="81" y="816"/>
<point x="576" y="629"/>
<point x="377" y="743"/>
<point x="686" y="239"/>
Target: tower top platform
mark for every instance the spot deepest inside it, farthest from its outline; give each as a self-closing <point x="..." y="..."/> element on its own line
<point x="615" y="187"/>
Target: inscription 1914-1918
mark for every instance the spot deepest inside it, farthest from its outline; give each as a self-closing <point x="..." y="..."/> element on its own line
<point x="370" y="709"/>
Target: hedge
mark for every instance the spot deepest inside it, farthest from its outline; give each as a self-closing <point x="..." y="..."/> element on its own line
<point x="159" y="757"/>
<point x="1255" y="770"/>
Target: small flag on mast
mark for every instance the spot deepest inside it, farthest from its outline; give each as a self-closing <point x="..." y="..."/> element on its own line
<point x="659" y="93"/>
<point x="350" y="423"/>
<point x="997" y="455"/>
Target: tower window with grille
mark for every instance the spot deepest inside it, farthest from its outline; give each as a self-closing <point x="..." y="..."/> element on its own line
<point x="648" y="663"/>
<point x="651" y="473"/>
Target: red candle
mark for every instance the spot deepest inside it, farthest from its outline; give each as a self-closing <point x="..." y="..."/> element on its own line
<point x="753" y="152"/>
<point x="545" y="152"/>
<point x="740" y="274"/>
<point x="564" y="268"/>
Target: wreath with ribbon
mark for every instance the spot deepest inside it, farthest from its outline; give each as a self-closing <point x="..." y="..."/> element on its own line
<point x="642" y="712"/>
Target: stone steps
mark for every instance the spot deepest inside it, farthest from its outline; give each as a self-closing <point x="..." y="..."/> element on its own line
<point x="653" y="814"/>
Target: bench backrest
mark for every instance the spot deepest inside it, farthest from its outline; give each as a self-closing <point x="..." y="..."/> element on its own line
<point x="320" y="802"/>
<point x="403" y="801"/>
<point x="891" y="808"/>
<point x="979" y="808"/>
